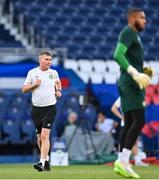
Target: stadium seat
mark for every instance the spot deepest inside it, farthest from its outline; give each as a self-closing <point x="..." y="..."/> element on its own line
<point x="111" y="77"/>
<point x="113" y="67"/>
<point x="11" y="132"/>
<point x="85" y="65"/>
<point x="71" y="64"/>
<point x="89" y="26"/>
<point x="157" y="88"/>
<point x="96" y="78"/>
<point x="14" y="112"/>
<point x="155" y="79"/>
<point x="90" y="116"/>
<point x="99" y="66"/>
<point x="148" y="100"/>
<point x="84" y="76"/>
<point x="27" y="131"/>
<point x="150" y="90"/>
<point x="155" y="99"/>
<point x="155" y="66"/>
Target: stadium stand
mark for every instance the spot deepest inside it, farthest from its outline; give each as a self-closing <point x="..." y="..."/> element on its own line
<point x="89" y="30"/>
<point x="82" y="30"/>
<point x="6" y="40"/>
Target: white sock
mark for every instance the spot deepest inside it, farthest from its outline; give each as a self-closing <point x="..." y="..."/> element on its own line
<point x="120" y="156"/>
<point x="137" y="159"/>
<point x="126" y="155"/>
<point x="47" y="159"/>
<point x="42" y="161"/>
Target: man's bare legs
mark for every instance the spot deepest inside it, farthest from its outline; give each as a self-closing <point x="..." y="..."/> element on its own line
<point x="44" y="144"/>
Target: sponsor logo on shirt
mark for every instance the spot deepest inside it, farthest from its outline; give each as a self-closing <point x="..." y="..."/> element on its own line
<point x="37" y="76"/>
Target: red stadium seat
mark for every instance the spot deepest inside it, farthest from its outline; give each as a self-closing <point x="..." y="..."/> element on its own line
<point x="148" y="100"/>
<point x="157" y="88"/>
<point x="150" y="90"/>
<point x="155" y="99"/>
<point x="65" y="82"/>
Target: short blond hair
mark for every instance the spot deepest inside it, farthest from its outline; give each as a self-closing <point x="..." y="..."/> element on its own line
<point x="45" y="53"/>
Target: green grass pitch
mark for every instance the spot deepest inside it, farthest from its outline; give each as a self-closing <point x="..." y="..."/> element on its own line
<point x="25" y="171"/>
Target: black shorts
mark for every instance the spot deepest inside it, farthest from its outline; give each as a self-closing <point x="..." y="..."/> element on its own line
<point x="43" y="117"/>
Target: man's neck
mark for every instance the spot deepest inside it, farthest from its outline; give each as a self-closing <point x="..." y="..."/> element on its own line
<point x="132" y="27"/>
<point x="43" y="69"/>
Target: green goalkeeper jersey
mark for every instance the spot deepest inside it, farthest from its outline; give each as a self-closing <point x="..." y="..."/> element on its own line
<point x="134" y="54"/>
<point x="132" y="97"/>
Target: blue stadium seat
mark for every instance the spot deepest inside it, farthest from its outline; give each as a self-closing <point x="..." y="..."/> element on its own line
<point x="91" y="116"/>
<point x="63" y="40"/>
<point x="89" y="19"/>
<point x="140" y="3"/>
<point x="95" y="40"/>
<point x="84" y="11"/>
<point x="11" y="132"/>
<point x="28" y="131"/>
<point x="100" y="11"/>
<point x="70" y="30"/>
<point x="14" y="112"/>
<point x="105" y="93"/>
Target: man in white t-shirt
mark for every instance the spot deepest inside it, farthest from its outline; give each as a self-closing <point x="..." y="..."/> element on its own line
<point x="105" y="125"/>
<point x="45" y="85"/>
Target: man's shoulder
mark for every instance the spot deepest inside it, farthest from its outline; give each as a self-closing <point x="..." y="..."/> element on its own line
<point x="109" y="120"/>
<point x="33" y="70"/>
<point x="53" y="71"/>
<point x="126" y="30"/>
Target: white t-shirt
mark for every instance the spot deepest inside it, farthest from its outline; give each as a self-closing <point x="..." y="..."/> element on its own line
<point x="106" y="126"/>
<point x="44" y="95"/>
<point x="118" y="105"/>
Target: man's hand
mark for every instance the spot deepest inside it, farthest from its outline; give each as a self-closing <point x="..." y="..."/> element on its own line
<point x="37" y="83"/>
<point x="143" y="80"/>
<point x="31" y="87"/>
<point x="148" y="71"/>
<point x="58" y="93"/>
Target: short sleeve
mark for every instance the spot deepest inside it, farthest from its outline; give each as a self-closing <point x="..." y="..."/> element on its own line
<point x="126" y="37"/>
<point x="56" y="76"/>
<point x="28" y="79"/>
<point x="118" y="103"/>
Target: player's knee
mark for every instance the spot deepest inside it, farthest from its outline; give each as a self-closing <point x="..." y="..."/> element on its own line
<point x="139" y="124"/>
<point x="44" y="137"/>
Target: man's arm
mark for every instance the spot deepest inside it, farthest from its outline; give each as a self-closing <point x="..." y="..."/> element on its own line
<point x="58" y="88"/>
<point x="119" y="56"/>
<point x="115" y="110"/>
<point x="58" y="85"/>
<point x="31" y="87"/>
<point x="141" y="79"/>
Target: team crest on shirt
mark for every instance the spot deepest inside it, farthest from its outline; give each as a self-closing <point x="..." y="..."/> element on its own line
<point x="51" y="76"/>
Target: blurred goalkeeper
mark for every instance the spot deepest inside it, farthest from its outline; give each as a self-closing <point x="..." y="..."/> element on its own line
<point x="132" y="83"/>
<point x="45" y="85"/>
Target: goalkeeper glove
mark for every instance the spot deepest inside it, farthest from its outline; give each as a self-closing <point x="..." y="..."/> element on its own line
<point x="148" y="71"/>
<point x="141" y="79"/>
